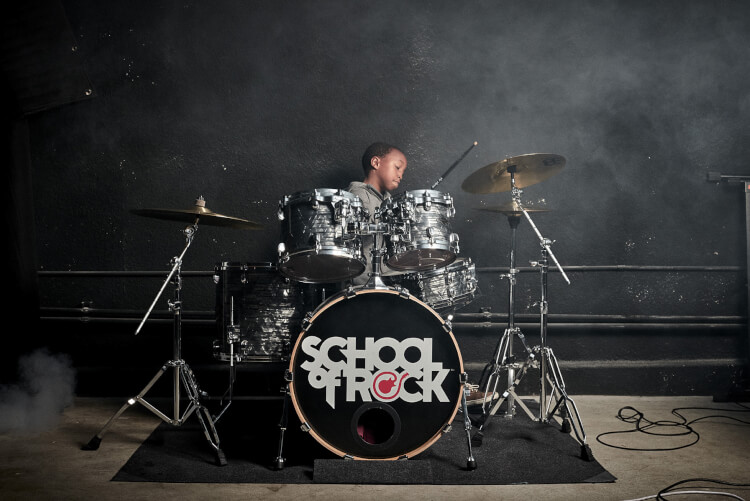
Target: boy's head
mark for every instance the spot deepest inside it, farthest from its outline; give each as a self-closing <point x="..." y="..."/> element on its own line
<point x="375" y="150"/>
<point x="383" y="165"/>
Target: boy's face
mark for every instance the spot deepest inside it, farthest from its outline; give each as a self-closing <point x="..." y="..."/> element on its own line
<point x="389" y="169"/>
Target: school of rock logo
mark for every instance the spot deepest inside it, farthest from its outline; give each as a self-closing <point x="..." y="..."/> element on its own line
<point x="364" y="374"/>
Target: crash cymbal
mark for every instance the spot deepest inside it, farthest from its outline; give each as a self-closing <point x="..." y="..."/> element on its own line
<point x="201" y="214"/>
<point x="511" y="209"/>
<point x="528" y="169"/>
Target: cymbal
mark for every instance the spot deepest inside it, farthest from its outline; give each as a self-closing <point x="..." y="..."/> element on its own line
<point x="529" y="169"/>
<point x="199" y="213"/>
<point x="511" y="209"/>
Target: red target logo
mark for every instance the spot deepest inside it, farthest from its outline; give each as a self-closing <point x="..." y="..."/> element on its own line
<point x="387" y="385"/>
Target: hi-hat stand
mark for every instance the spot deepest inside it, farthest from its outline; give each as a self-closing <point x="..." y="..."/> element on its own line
<point x="552" y="399"/>
<point x="182" y="374"/>
<point x="504" y="357"/>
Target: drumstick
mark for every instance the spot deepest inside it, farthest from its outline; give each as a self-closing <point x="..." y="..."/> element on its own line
<point x="453" y="166"/>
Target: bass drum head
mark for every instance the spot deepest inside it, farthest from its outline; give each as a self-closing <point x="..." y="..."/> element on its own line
<point x="376" y="375"/>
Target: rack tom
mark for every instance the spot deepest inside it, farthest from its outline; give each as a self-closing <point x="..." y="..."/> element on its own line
<point x="316" y="244"/>
<point x="419" y="236"/>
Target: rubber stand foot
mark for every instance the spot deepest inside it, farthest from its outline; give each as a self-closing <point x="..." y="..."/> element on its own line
<point x="92" y="445"/>
<point x="586" y="453"/>
<point x="476" y="440"/>
<point x="279" y="463"/>
<point x="221" y="459"/>
<point x="566" y="426"/>
<point x="471" y="464"/>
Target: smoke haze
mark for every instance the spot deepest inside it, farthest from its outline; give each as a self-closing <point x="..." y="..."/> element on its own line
<point x="45" y="388"/>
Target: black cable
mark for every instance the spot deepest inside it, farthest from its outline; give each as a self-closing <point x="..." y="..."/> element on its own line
<point x="666" y="490"/>
<point x="630" y="414"/>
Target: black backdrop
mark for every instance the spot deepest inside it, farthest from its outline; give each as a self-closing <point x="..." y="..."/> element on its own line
<point x="245" y="102"/>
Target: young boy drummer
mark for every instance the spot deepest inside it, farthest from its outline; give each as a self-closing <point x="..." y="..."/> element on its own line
<point x="383" y="166"/>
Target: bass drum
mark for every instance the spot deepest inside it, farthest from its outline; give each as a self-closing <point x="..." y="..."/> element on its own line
<point x="376" y="374"/>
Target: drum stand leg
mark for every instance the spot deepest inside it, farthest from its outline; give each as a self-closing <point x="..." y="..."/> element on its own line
<point x="280" y="461"/>
<point x="233" y="337"/>
<point x="550" y="404"/>
<point x="182" y="374"/>
<point x="471" y="463"/>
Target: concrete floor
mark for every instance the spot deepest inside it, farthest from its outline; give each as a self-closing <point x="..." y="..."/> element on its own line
<point x="50" y="465"/>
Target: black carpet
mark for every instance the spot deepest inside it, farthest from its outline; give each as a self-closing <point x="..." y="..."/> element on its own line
<point x="513" y="451"/>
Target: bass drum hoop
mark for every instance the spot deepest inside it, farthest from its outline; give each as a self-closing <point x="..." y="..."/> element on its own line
<point x="343" y="296"/>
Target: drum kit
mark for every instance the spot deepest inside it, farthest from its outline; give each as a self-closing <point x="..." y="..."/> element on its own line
<point x="374" y="371"/>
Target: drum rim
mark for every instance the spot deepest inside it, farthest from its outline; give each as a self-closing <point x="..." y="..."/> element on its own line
<point x="321" y="195"/>
<point x="394" y="264"/>
<point x="341" y="297"/>
<point x="457" y="265"/>
<point x="415" y="194"/>
<point x="245" y="265"/>
<point x="330" y="251"/>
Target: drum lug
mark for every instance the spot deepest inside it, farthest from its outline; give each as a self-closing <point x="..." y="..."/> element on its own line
<point x="447" y="325"/>
<point x="453" y="238"/>
<point x="403" y="458"/>
<point x="307" y="321"/>
<point x="448" y="427"/>
<point x="350" y="292"/>
<point x="464" y="377"/>
<point x="305" y="427"/>
<point x="347" y="457"/>
<point x="403" y="292"/>
<point x="288" y="376"/>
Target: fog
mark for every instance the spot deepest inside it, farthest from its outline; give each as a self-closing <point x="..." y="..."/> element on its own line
<point x="45" y="387"/>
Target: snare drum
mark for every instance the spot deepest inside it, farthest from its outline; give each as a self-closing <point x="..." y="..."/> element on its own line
<point x="376" y="374"/>
<point x="316" y="244"/>
<point x="420" y="235"/>
<point x="263" y="308"/>
<point x="450" y="287"/>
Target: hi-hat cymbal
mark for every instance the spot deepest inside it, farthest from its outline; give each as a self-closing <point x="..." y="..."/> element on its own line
<point x="199" y="213"/>
<point x="528" y="169"/>
<point x="512" y="209"/>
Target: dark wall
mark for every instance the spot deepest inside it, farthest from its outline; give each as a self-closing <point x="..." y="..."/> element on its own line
<point x="245" y="102"/>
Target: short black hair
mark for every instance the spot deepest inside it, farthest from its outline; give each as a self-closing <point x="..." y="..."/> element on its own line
<point x="375" y="150"/>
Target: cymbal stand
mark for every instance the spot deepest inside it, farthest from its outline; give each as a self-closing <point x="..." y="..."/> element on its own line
<point x="549" y="369"/>
<point x="182" y="374"/>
